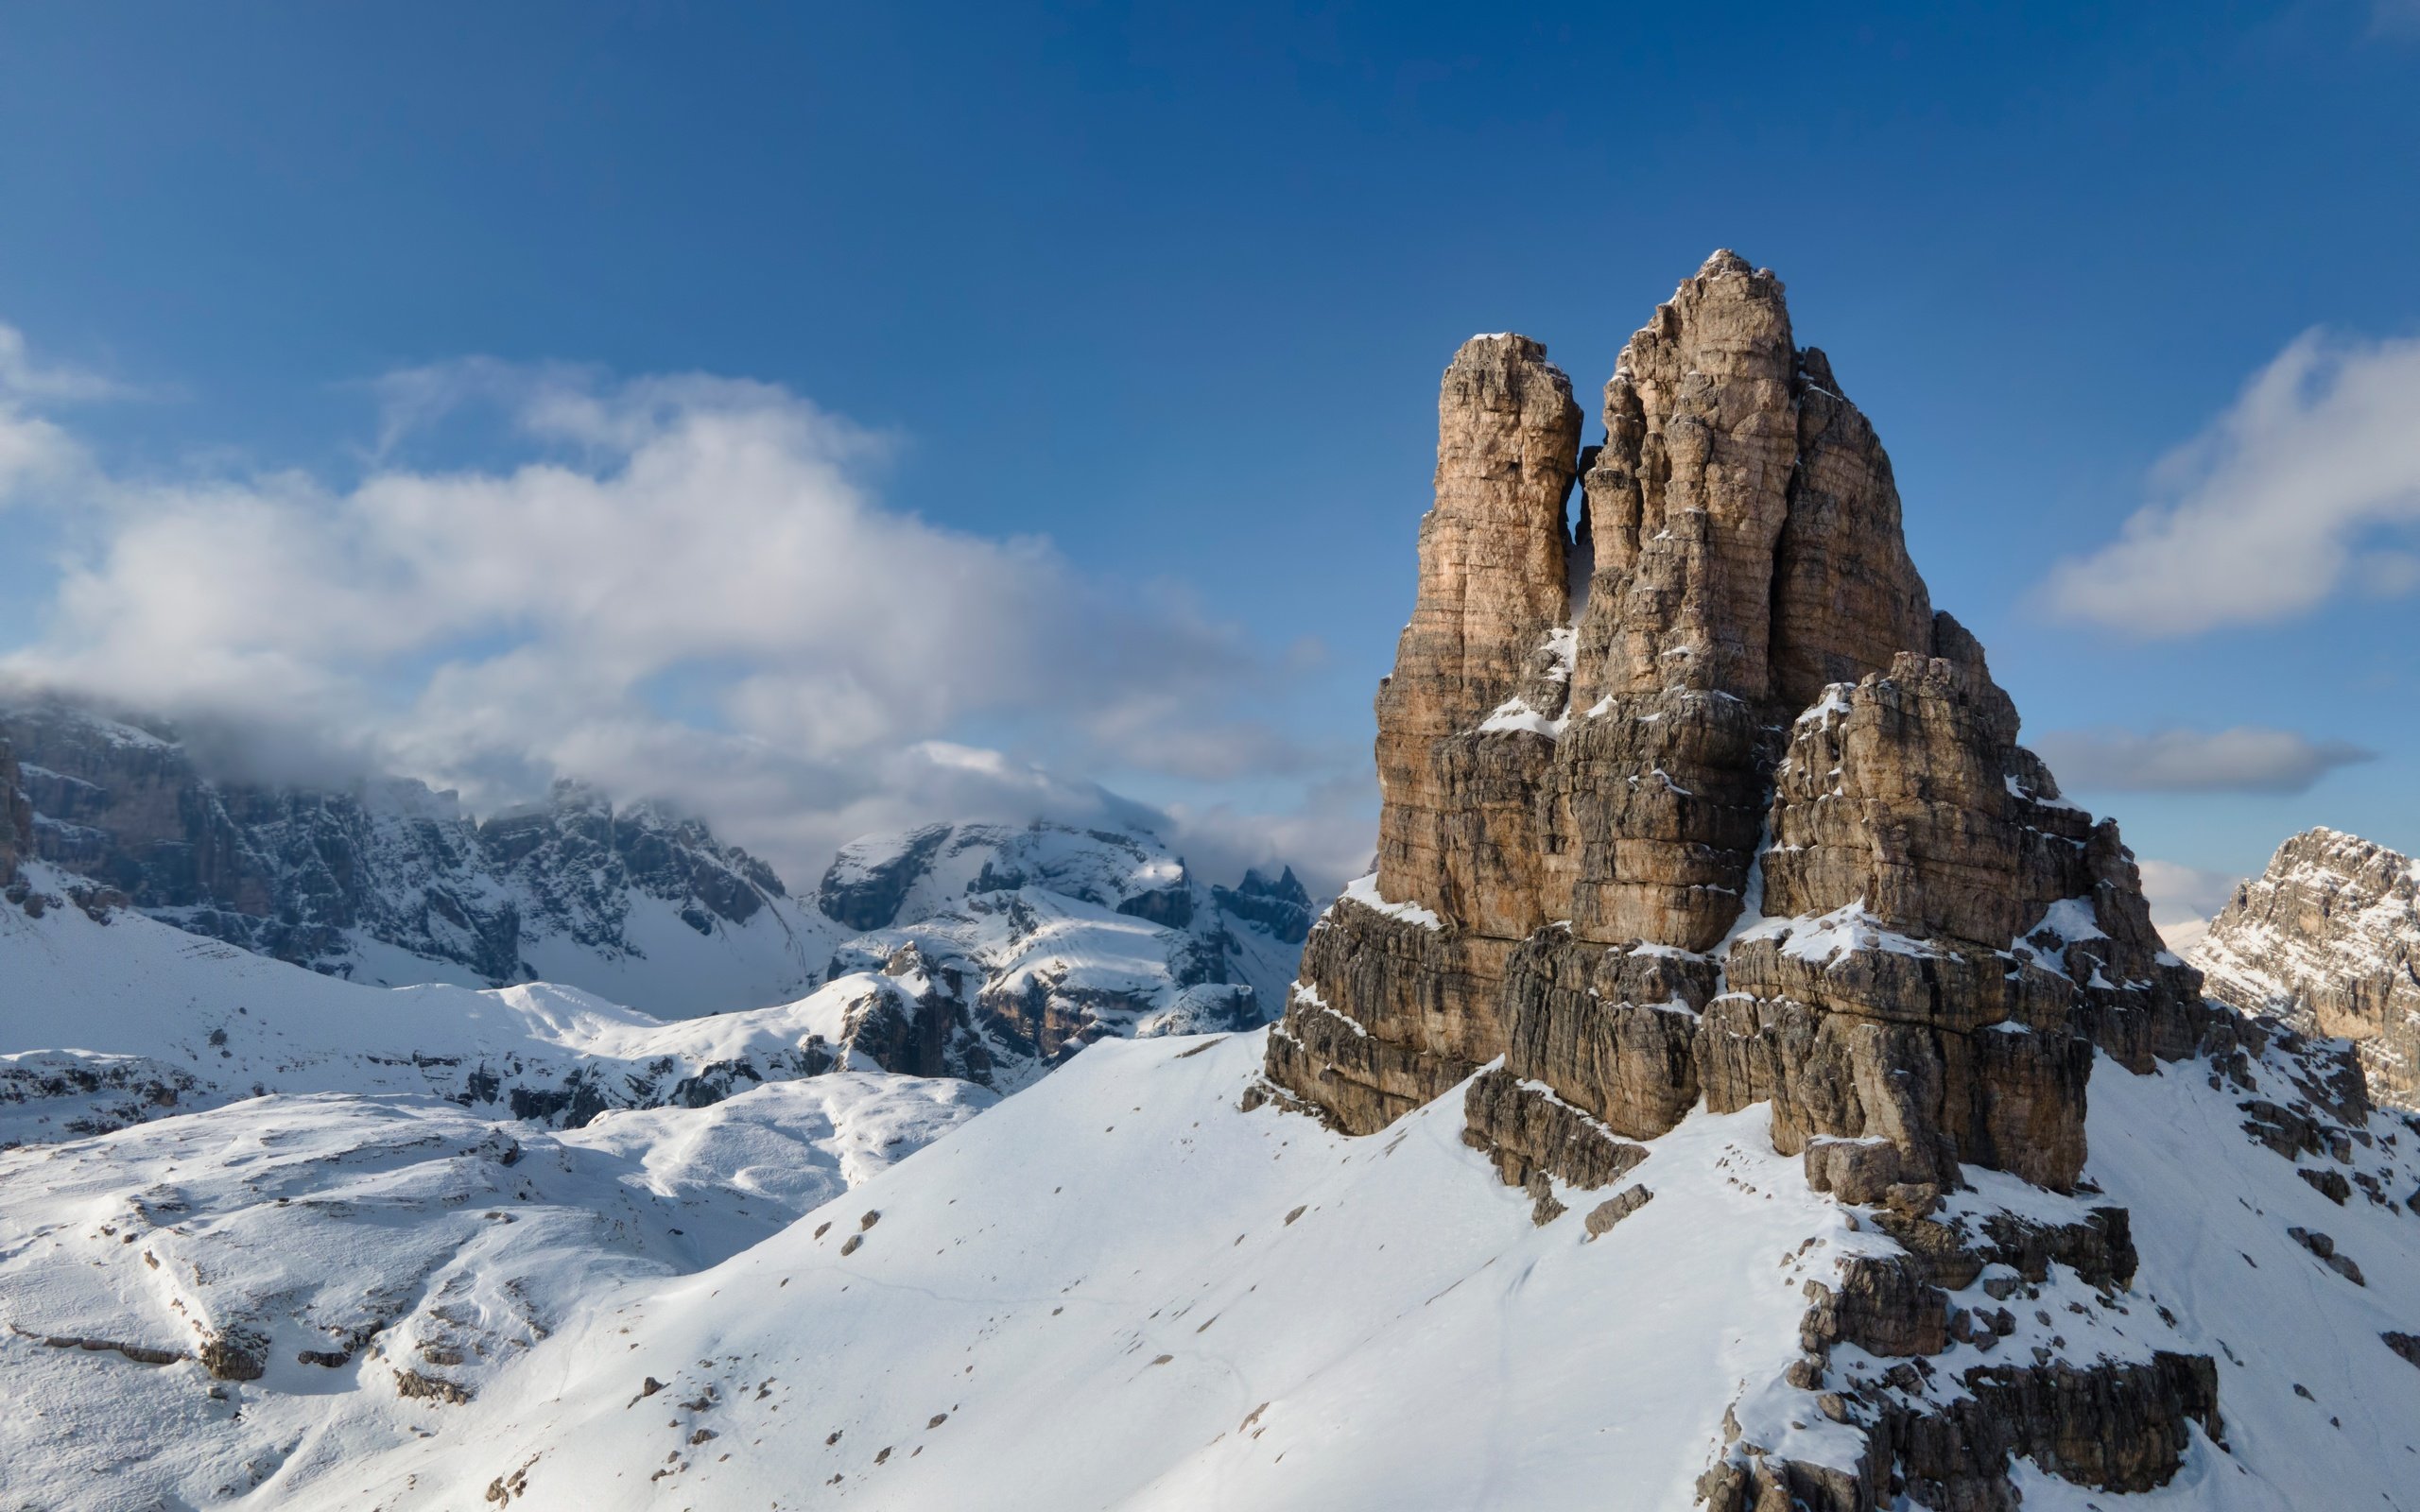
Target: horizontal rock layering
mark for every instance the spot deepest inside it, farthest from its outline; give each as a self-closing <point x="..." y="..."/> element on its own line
<point x="1598" y="744"/>
<point x="2328" y="938"/>
<point x="1699" y="800"/>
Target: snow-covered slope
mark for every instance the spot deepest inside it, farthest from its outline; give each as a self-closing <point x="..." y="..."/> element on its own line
<point x="2318" y="1409"/>
<point x="113" y="1017"/>
<point x="1119" y="1290"/>
<point x="1221" y="1295"/>
<point x="389" y="884"/>
<point x="271" y="1288"/>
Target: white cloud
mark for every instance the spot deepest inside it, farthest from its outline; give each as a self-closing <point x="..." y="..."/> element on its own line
<point x="22" y="377"/>
<point x="2300" y="489"/>
<point x="2246" y="759"/>
<point x="687" y="589"/>
<point x="35" y="453"/>
<point x="2184" y="899"/>
<point x="1329" y="838"/>
<point x="2180" y="892"/>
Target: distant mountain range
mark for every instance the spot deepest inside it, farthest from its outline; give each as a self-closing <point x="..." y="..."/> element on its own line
<point x="1041" y="937"/>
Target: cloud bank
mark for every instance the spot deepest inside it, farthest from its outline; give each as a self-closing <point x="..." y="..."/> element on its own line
<point x="2306" y="487"/>
<point x="2246" y="759"/>
<point x="681" y="586"/>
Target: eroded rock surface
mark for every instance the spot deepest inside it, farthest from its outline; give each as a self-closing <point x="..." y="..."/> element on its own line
<point x="2328" y="938"/>
<point x="1700" y="802"/>
<point x="16" y="816"/>
<point x="338" y="878"/>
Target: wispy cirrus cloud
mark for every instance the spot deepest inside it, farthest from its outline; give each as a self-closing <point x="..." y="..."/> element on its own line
<point x="2245" y="758"/>
<point x="36" y="452"/>
<point x="2306" y="487"/>
<point x="22" y="377"/>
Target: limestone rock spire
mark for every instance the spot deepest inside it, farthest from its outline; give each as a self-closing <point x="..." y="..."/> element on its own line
<point x="1689" y="492"/>
<point x="1493" y="582"/>
<point x="1757" y="698"/>
<point x="1755" y="831"/>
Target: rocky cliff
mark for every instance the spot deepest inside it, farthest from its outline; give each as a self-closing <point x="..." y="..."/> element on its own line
<point x="1023" y="942"/>
<point x="384" y="880"/>
<point x="1010" y="947"/>
<point x="16" y="816"/>
<point x="2328" y="940"/>
<point x="1697" y="800"/>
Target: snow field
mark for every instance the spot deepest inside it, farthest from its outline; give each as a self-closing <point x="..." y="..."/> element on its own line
<point x="1100" y="1298"/>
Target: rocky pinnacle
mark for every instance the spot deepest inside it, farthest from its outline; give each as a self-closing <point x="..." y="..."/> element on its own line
<point x="2328" y="938"/>
<point x="1697" y="800"/>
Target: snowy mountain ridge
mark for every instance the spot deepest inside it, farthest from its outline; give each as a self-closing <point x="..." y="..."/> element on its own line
<point x="2328" y="938"/>
<point x="1056" y="934"/>
<point x="388" y="882"/>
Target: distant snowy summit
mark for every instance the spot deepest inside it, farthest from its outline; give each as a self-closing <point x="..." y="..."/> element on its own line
<point x="1012" y="946"/>
<point x="387" y="881"/>
<point x="2328" y="940"/>
<point x="1030" y="940"/>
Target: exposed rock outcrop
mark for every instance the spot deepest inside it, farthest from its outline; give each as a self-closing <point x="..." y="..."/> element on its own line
<point x="1945" y="936"/>
<point x="867" y="883"/>
<point x="1700" y="804"/>
<point x="1283" y="907"/>
<point x="1060" y="935"/>
<point x="1492" y="584"/>
<point x="1592" y="753"/>
<point x="333" y="877"/>
<point x="16" y="816"/>
<point x="2328" y="940"/>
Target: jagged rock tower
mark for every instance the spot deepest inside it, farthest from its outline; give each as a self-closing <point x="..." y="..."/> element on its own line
<point x="1701" y="801"/>
<point x="2328" y="940"/>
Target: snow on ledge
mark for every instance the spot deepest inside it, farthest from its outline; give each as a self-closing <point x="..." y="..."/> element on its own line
<point x="1649" y="947"/>
<point x="1835" y="701"/>
<point x="1302" y="992"/>
<point x="1515" y="715"/>
<point x="1365" y="890"/>
<point x="1561" y="647"/>
<point x="2072" y="919"/>
<point x="2018" y="789"/>
<point x="2067" y="920"/>
<point x="1826" y="938"/>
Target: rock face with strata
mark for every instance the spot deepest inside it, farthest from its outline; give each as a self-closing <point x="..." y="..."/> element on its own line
<point x="1492" y="584"/>
<point x="1698" y="802"/>
<point x="385" y="881"/>
<point x="16" y="816"/>
<point x="309" y="874"/>
<point x="2328" y="940"/>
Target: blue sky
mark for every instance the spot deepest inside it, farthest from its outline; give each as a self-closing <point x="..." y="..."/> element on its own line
<point x="1171" y="289"/>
